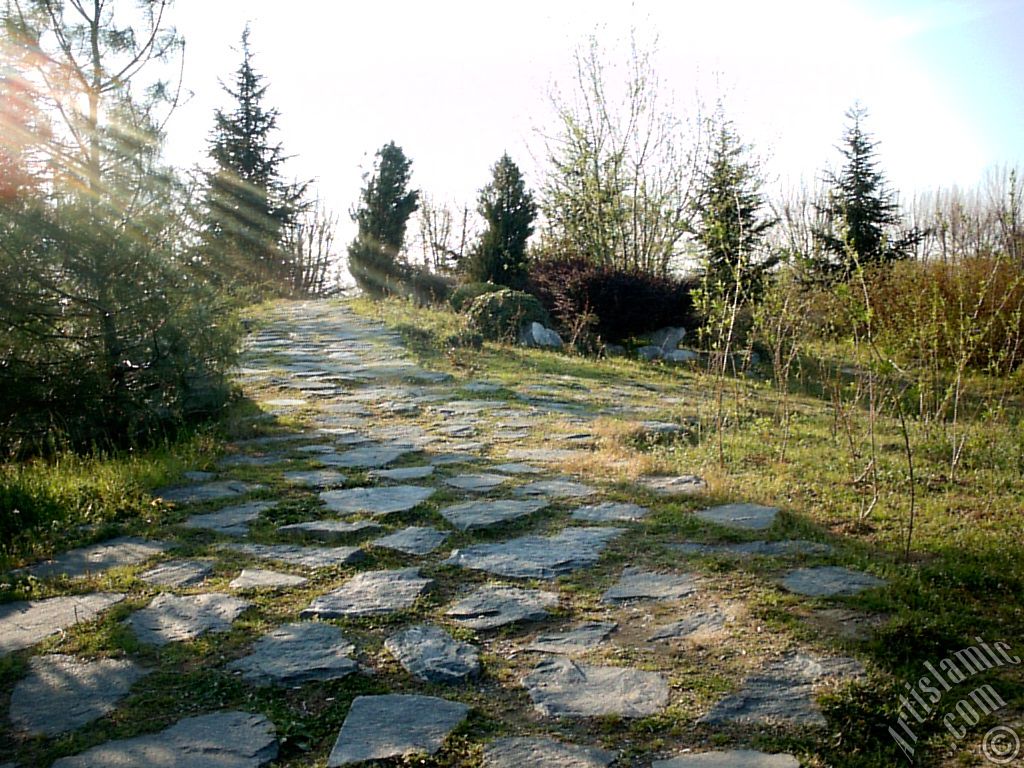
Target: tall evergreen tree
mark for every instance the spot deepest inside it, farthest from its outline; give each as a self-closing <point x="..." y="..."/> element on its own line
<point x="508" y="208"/>
<point x="861" y="215"/>
<point x="386" y="203"/>
<point x="730" y="225"/>
<point x="249" y="206"/>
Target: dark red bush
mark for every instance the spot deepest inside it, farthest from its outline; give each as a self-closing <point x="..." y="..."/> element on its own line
<point x="621" y="303"/>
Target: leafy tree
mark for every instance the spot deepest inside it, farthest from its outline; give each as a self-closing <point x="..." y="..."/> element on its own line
<point x="249" y="207"/>
<point x="862" y="222"/>
<point x="386" y="203"/>
<point x="508" y="209"/>
<point x="730" y="226"/>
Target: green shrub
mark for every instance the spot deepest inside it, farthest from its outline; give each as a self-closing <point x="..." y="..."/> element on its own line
<point x="498" y="316"/>
<point x="24" y="507"/>
<point x="465" y="293"/>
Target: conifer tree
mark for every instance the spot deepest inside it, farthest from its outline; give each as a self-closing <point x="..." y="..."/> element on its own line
<point x="508" y="208"/>
<point x="386" y="203"/>
<point x="861" y="214"/>
<point x="249" y="206"/>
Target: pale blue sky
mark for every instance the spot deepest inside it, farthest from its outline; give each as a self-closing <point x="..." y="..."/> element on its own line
<point x="458" y="83"/>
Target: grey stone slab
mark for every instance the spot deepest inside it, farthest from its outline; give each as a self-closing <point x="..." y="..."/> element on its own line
<point x="480" y="482"/>
<point x="559" y="489"/>
<point x="698" y="625"/>
<point x="171" y="618"/>
<point x="494" y="605"/>
<point x="97" y="558"/>
<point x="403" y="474"/>
<point x="261" y="578"/>
<point x="61" y="693"/>
<point x="784" y="548"/>
<point x="472" y="515"/>
<point x="231" y="521"/>
<point x="610" y="512"/>
<point x="315" y="478"/>
<point x="537" y="557"/>
<point x="215" y="491"/>
<point x="518" y="468"/>
<point x="580" y="639"/>
<point x="371" y="593"/>
<point x="198" y="476"/>
<point x="751" y="517"/>
<point x="544" y="455"/>
<point x="535" y="752"/>
<point x="783" y="692"/>
<point x="306" y="557"/>
<point x="638" y="584"/>
<point x="297" y="653"/>
<point x="560" y="687"/>
<point x="683" y="485"/>
<point x="249" y="460"/>
<point x="448" y="459"/>
<point x="25" y="623"/>
<point x="329" y="530"/>
<point x="431" y="654"/>
<point x="413" y="540"/>
<point x="830" y="581"/>
<point x="376" y="501"/>
<point x="733" y="758"/>
<point x="395" y="725"/>
<point x="364" y="457"/>
<point x="178" y="573"/>
<point x="219" y="740"/>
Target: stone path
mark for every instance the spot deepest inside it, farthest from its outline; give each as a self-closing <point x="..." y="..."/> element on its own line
<point x="410" y="552"/>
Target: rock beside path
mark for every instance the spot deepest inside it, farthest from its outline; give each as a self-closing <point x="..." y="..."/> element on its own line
<point x="830" y="581"/>
<point x="734" y="758"/>
<point x="534" y="752"/>
<point x="751" y="517"/>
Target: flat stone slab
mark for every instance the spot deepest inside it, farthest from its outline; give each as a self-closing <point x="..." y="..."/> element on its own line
<point x="25" y="623"/>
<point x="306" y="557"/>
<point x="638" y="584"/>
<point x="260" y="578"/>
<point x="733" y="758"/>
<point x="403" y="474"/>
<point x="472" y="515"/>
<point x="751" y="517"/>
<point x="376" y="501"/>
<point x="200" y="492"/>
<point x="698" y="625"/>
<point x="610" y="512"/>
<point x="97" y="558"/>
<point x="683" y="485"/>
<point x="329" y="530"/>
<point x="231" y="521"/>
<point x="579" y="639"/>
<point x="518" y="468"/>
<point x="784" y="548"/>
<point x="297" y="653"/>
<point x="494" y="605"/>
<point x="372" y="593"/>
<point x="544" y="455"/>
<point x="219" y="740"/>
<point x="537" y="557"/>
<point x="170" y="618"/>
<point x="559" y="489"/>
<point x="783" y="692"/>
<point x="315" y="478"/>
<point x="395" y="725"/>
<point x="830" y="581"/>
<point x="413" y="540"/>
<point x="534" y="752"/>
<point x="246" y="460"/>
<point x="178" y="573"/>
<point x="480" y="482"/>
<point x="61" y="693"/>
<point x="431" y="654"/>
<point x="364" y="457"/>
<point x="559" y="687"/>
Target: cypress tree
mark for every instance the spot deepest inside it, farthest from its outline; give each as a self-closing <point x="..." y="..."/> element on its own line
<point x="508" y="208"/>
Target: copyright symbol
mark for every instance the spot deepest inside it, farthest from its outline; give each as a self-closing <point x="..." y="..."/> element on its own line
<point x="1001" y="745"/>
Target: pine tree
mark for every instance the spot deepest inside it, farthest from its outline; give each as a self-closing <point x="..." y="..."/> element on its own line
<point x="249" y="206"/>
<point x="386" y="203"/>
<point x="508" y="208"/>
<point x="861" y="215"/>
<point x="730" y="227"/>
